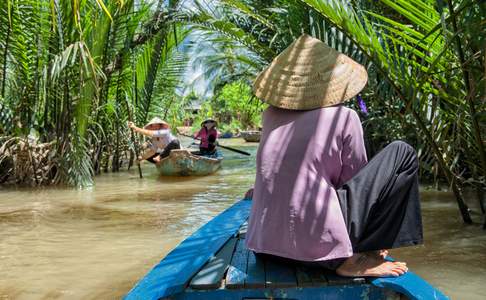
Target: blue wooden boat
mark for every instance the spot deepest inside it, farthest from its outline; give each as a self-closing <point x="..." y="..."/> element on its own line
<point x="214" y="264"/>
<point x="184" y="163"/>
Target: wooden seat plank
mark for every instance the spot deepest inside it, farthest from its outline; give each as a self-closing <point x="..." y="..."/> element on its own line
<point x="317" y="275"/>
<point x="303" y="277"/>
<point x="243" y="230"/>
<point x="236" y="276"/>
<point x="171" y="275"/>
<point x="211" y="275"/>
<point x="279" y="274"/>
<point x="335" y="279"/>
<point x="255" y="272"/>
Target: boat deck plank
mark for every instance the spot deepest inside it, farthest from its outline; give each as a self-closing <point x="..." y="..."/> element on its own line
<point x="211" y="275"/>
<point x="236" y="276"/>
<point x="303" y="277"/>
<point x="255" y="271"/>
<point x="278" y="275"/>
<point x="243" y="230"/>
<point x="317" y="276"/>
<point x="335" y="279"/>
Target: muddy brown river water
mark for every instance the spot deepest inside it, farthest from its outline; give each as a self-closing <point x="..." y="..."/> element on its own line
<point x="95" y="243"/>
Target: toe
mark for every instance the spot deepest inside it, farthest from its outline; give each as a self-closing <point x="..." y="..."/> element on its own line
<point x="395" y="274"/>
<point x="401" y="268"/>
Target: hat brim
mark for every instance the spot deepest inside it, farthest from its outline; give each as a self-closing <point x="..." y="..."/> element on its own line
<point x="163" y="124"/>
<point x="209" y="121"/>
<point x="308" y="75"/>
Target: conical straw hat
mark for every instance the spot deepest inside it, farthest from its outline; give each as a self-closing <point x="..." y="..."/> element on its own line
<point x="308" y="75"/>
<point x="157" y="121"/>
<point x="210" y="121"/>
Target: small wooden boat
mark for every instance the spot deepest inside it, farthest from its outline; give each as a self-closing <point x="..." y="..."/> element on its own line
<point x="184" y="163"/>
<point x="251" y="136"/>
<point x="214" y="263"/>
<point x="226" y="135"/>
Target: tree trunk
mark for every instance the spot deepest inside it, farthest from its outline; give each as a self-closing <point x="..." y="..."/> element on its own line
<point x="480" y="195"/>
<point x="451" y="178"/>
<point x="4" y="67"/>
<point x="470" y="89"/>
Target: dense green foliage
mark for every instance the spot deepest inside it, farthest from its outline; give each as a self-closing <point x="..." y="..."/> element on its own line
<point x="234" y="106"/>
<point x="76" y="71"/>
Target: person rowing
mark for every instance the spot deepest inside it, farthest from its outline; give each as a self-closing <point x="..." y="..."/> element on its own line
<point x="316" y="198"/>
<point x="162" y="140"/>
<point x="208" y="136"/>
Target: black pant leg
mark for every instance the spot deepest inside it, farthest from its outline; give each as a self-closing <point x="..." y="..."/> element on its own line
<point x="175" y="144"/>
<point x="380" y="204"/>
<point x="332" y="264"/>
<point x="151" y="158"/>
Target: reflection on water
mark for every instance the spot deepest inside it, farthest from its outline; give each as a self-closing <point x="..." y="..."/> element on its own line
<point x="96" y="243"/>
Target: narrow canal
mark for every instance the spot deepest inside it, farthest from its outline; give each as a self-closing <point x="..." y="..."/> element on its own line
<point x="60" y="243"/>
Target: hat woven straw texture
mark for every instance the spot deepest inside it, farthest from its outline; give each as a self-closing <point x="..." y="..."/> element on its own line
<point x="209" y="121"/>
<point x="308" y="75"/>
<point x="156" y="120"/>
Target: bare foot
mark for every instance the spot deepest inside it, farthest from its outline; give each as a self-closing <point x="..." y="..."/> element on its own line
<point x="361" y="264"/>
<point x="157" y="159"/>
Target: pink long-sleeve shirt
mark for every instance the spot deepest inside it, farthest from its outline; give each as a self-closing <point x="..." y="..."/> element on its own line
<point x="302" y="158"/>
<point x="204" y="134"/>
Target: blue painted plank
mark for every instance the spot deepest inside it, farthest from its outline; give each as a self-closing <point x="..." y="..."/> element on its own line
<point x="335" y="279"/>
<point x="354" y="292"/>
<point x="255" y="272"/>
<point x="174" y="271"/>
<point x="278" y="274"/>
<point x="211" y="275"/>
<point x="303" y="276"/>
<point x="243" y="230"/>
<point x="235" y="278"/>
<point x="411" y="285"/>
<point x="317" y="276"/>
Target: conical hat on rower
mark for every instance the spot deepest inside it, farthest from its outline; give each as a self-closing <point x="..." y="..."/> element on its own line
<point x="157" y="121"/>
<point x="210" y="121"/>
<point x="308" y="75"/>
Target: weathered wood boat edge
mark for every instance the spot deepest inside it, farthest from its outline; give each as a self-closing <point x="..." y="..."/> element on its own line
<point x="183" y="163"/>
<point x="171" y="278"/>
<point x="410" y="285"/>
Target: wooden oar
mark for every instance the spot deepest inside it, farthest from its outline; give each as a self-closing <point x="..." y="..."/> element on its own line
<point x="219" y="145"/>
<point x="134" y="141"/>
<point x="132" y="135"/>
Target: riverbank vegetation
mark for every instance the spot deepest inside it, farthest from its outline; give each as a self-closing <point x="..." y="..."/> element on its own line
<point x="72" y="73"/>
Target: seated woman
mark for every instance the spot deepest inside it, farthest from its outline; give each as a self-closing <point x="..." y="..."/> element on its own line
<point x="162" y="139"/>
<point x="208" y="135"/>
<point x="316" y="198"/>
